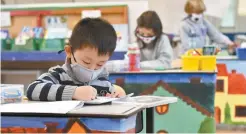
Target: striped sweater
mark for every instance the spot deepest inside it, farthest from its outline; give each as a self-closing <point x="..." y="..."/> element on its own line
<point x="59" y="84"/>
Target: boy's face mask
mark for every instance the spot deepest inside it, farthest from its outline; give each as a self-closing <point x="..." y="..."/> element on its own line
<point x="146" y="40"/>
<point x="197" y="18"/>
<point x="84" y="74"/>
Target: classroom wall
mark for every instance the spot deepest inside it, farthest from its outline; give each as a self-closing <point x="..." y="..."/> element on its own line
<point x="170" y="12"/>
<point x="240" y="23"/>
<point x="135" y="7"/>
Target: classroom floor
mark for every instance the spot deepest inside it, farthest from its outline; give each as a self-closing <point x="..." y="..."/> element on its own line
<point x="230" y="128"/>
<point x="228" y="131"/>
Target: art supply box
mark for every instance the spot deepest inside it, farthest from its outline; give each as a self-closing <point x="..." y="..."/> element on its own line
<point x="11" y="93"/>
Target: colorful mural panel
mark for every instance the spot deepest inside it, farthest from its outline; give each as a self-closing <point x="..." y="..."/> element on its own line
<point x="230" y="100"/>
<point x="195" y="94"/>
<point x="66" y="125"/>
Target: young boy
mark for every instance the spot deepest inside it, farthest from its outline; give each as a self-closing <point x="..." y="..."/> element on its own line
<point x="83" y="76"/>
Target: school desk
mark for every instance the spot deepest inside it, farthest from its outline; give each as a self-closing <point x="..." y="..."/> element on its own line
<point x="120" y="118"/>
<point x="194" y="110"/>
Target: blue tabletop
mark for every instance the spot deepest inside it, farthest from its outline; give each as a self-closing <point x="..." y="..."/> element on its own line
<point x="44" y="56"/>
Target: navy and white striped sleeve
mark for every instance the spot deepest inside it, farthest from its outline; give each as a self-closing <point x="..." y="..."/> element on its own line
<point x="102" y="84"/>
<point x="48" y="88"/>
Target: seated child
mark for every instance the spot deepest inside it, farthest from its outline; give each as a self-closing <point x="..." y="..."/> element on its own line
<point x="83" y="75"/>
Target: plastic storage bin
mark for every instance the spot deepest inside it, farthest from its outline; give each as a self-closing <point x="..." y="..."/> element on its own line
<point x="6" y="44"/>
<point x="241" y="53"/>
<point x="30" y="45"/>
<point x="190" y="63"/>
<point x="207" y="63"/>
<point x="52" y="44"/>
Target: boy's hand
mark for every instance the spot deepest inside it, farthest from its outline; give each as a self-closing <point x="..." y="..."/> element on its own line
<point x="119" y="92"/>
<point x="85" y="93"/>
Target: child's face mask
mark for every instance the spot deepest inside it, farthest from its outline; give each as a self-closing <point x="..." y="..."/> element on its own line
<point x="146" y="40"/>
<point x="83" y="74"/>
<point x="197" y="18"/>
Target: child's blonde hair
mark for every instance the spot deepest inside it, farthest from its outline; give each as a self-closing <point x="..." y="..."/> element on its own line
<point x="195" y="6"/>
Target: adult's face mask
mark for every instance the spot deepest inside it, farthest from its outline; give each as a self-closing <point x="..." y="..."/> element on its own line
<point x="146" y="40"/>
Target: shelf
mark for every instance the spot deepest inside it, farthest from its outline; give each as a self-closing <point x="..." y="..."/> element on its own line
<point x="44" y="56"/>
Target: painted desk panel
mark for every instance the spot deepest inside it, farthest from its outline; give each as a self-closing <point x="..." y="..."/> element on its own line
<point x="195" y="91"/>
<point x="88" y="119"/>
<point x="66" y="125"/>
<point x="230" y="99"/>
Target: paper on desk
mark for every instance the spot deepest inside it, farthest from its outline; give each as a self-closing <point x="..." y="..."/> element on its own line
<point x="58" y="107"/>
<point x="149" y="100"/>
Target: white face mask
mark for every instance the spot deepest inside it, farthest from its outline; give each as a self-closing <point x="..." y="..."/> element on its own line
<point x="197" y="18"/>
<point x="83" y="74"/>
<point x="146" y="40"/>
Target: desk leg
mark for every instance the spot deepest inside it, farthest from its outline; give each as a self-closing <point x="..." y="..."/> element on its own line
<point x="150" y="120"/>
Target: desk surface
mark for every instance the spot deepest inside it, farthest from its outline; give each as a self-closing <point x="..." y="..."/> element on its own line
<point x="227" y="58"/>
<point x="165" y="71"/>
<point x="94" y="111"/>
<point x="43" y="56"/>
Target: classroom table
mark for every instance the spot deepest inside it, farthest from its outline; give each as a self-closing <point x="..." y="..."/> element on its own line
<point x="194" y="110"/>
<point x="119" y="118"/>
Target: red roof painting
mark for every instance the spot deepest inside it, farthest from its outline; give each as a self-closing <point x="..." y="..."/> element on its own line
<point x="222" y="70"/>
<point x="236" y="81"/>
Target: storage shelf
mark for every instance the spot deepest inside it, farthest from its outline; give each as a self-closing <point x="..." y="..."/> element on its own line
<point x="44" y="56"/>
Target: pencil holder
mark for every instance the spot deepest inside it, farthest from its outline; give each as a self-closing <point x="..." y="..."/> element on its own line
<point x="207" y="63"/>
<point x="190" y="63"/>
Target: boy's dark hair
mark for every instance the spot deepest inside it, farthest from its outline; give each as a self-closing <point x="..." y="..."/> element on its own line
<point x="96" y="33"/>
<point x="151" y="20"/>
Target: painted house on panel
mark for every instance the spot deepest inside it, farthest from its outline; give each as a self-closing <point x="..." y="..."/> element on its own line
<point x="230" y="99"/>
<point x="67" y="125"/>
<point x="178" y="114"/>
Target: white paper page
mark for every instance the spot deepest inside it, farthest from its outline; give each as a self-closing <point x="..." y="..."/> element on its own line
<point x="91" y="13"/>
<point x="101" y="100"/>
<point x="59" y="107"/>
<point x="149" y="100"/>
<point x="5" y="19"/>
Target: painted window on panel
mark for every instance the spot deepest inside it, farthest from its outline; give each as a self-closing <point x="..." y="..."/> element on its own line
<point x="240" y="111"/>
<point x="220" y="86"/>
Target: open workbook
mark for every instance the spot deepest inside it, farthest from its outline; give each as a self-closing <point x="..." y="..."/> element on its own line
<point x="56" y="107"/>
<point x="63" y="107"/>
<point x="148" y="100"/>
